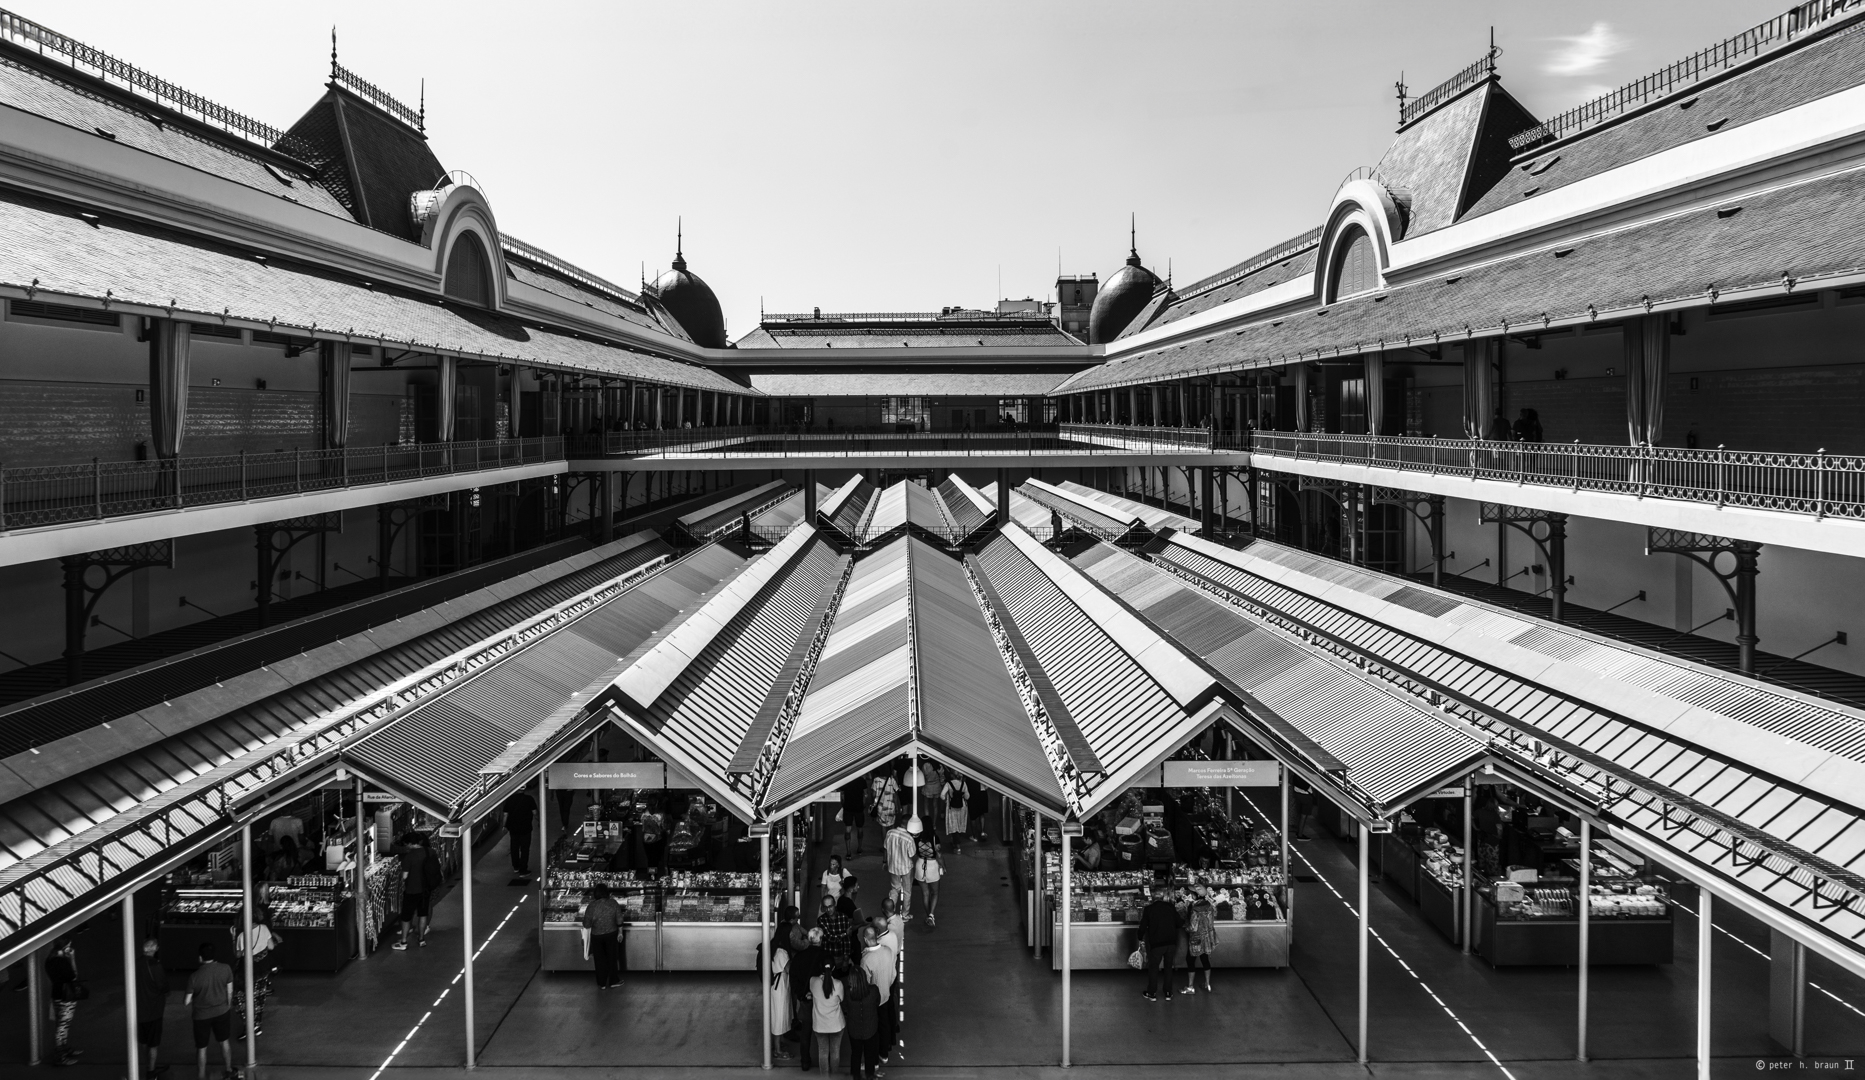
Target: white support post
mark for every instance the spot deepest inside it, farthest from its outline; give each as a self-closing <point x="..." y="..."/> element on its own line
<point x="764" y="934"/>
<point x="1366" y="933"/>
<point x="1067" y="1003"/>
<point x="131" y="1045"/>
<point x="246" y="942"/>
<point x="1703" y="983"/>
<point x="543" y="850"/>
<point x="1585" y="902"/>
<point x="790" y="860"/>
<point x="1285" y="827"/>
<point x="1036" y="884"/>
<point x="466" y="937"/>
<point x="1467" y="902"/>
<point x="361" y="888"/>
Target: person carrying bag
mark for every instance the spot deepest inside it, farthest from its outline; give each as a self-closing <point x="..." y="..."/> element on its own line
<point x="957" y="819"/>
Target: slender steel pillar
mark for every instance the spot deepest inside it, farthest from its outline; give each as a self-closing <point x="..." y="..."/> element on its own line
<point x="466" y="936"/>
<point x="1067" y="1003"/>
<point x="1703" y="983"/>
<point x="1466" y="903"/>
<point x="361" y="887"/>
<point x="35" y="1005"/>
<point x="1585" y="902"/>
<point x="809" y="497"/>
<point x="1366" y="933"/>
<point x="543" y="851"/>
<point x="764" y="933"/>
<point x="1036" y="884"/>
<point x="132" y="1046"/>
<point x="790" y="858"/>
<point x="246" y="950"/>
<point x="1285" y="824"/>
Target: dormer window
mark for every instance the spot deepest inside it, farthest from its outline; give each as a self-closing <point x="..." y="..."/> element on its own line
<point x="1355" y="270"/>
<point x="469" y="272"/>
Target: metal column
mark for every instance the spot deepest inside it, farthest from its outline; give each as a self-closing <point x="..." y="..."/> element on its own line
<point x="362" y="883"/>
<point x="1703" y="983"/>
<point x="1467" y="901"/>
<point x="1366" y="932"/>
<point x="543" y="851"/>
<point x="1036" y="884"/>
<point x="764" y="932"/>
<point x="1067" y="1004"/>
<point x="1557" y="568"/>
<point x="1003" y="498"/>
<point x="466" y="935"/>
<point x="35" y="1005"/>
<point x="790" y="859"/>
<point x="246" y="950"/>
<point x="132" y="1045"/>
<point x="809" y="497"/>
<point x="1585" y="902"/>
<point x="1285" y="825"/>
<point x="1747" y="555"/>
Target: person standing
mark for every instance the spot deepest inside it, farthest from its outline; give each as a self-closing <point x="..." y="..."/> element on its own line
<point x="420" y="876"/>
<point x="834" y="926"/>
<point x="781" y="995"/>
<point x="263" y="942"/>
<point x="927" y="870"/>
<point x="877" y="962"/>
<point x="854" y="816"/>
<point x="826" y="1016"/>
<point x="1201" y="937"/>
<point x="832" y="877"/>
<point x="1304" y="805"/>
<point x="861" y="1011"/>
<point x="520" y="828"/>
<point x="210" y="1000"/>
<point x="805" y="968"/>
<point x="603" y="919"/>
<point x="61" y="970"/>
<point x="978" y="803"/>
<point x="957" y="818"/>
<point x="1159" y="932"/>
<point x="151" y="1003"/>
<point x="900" y="866"/>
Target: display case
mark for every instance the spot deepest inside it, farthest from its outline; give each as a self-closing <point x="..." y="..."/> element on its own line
<point x="1440" y="883"/>
<point x="193" y="915"/>
<point x="1253" y="916"/>
<point x="710" y="921"/>
<point x="1525" y="923"/>
<point x="314" y="918"/>
<point x="567" y="893"/>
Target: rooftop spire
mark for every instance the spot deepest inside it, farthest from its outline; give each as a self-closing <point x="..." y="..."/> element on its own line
<point x="679" y="255"/>
<point x="1133" y="239"/>
<point x="333" y="51"/>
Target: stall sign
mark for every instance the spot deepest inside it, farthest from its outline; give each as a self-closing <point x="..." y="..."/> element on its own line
<point x="1198" y="774"/>
<point x="608" y="774"/>
<point x="380" y="797"/>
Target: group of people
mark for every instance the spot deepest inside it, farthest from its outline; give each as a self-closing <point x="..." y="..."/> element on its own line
<point x="836" y="980"/>
<point x="951" y="806"/>
<point x="1161" y="923"/>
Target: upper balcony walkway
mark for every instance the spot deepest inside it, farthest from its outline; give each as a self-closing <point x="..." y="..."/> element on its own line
<point x="55" y="510"/>
<point x="1066" y="446"/>
<point x="1810" y="501"/>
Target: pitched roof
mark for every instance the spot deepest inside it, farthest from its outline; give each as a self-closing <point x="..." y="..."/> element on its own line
<point x="54" y="251"/>
<point x="915" y="335"/>
<point x="375" y="160"/>
<point x="1804" y="230"/>
<point x="879" y="384"/>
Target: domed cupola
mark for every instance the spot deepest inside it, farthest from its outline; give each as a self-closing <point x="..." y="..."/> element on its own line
<point x="1124" y="295"/>
<point x="691" y="302"/>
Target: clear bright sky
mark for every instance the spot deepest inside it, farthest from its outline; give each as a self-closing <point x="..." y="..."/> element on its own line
<point x="891" y="156"/>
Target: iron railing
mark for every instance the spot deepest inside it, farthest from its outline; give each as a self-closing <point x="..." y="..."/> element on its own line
<point x="62" y="494"/>
<point x="1719" y="57"/>
<point x="1818" y="484"/>
<point x="375" y="95"/>
<point x="1067" y="439"/>
<point x="1448" y="89"/>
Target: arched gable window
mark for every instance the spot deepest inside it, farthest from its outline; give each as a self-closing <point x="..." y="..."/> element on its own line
<point x="469" y="272"/>
<point x="1356" y="270"/>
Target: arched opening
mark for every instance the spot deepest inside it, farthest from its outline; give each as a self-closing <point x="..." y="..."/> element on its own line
<point x="1355" y="269"/>
<point x="469" y="272"/>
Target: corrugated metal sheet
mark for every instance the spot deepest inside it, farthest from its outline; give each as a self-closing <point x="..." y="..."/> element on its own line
<point x="1124" y="715"/>
<point x="968" y="509"/>
<point x="846" y="513"/>
<point x="706" y="522"/>
<point x="435" y="752"/>
<point x="969" y="708"/>
<point x="91" y="798"/>
<point x="1156" y="519"/>
<point x="1098" y="521"/>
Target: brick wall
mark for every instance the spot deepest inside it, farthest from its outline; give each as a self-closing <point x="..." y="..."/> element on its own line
<point x="60" y="423"/>
<point x="226" y="420"/>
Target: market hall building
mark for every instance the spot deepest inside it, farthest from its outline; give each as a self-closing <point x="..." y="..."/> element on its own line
<point x="1457" y="593"/>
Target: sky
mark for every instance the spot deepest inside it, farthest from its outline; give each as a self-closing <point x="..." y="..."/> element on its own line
<point x="899" y="156"/>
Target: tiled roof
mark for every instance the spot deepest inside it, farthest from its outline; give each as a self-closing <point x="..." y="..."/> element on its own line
<point x="34" y="91"/>
<point x="1301" y="264"/>
<point x="1825" y="66"/>
<point x="57" y="252"/>
<point x="1809" y="229"/>
<point x="907" y="383"/>
<point x="575" y="293"/>
<point x="1427" y="160"/>
<point x="915" y="337"/>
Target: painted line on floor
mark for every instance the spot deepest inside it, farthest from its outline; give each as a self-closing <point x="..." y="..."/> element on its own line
<point x="408" y="1038"/>
<point x="1394" y="953"/>
<point x="1751" y="948"/>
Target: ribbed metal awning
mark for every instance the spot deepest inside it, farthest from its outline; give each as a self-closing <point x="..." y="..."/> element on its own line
<point x="720" y="517"/>
<point x="1155" y="518"/>
<point x="844" y="510"/>
<point x="1097" y="520"/>
<point x="969" y="509"/>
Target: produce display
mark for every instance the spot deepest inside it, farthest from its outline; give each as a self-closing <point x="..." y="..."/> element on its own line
<point x="201" y="907"/>
<point x="303" y="907"/>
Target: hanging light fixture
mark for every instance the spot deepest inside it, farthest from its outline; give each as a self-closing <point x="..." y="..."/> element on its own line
<point x="914" y="824"/>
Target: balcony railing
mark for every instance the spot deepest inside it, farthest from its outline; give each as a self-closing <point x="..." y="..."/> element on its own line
<point x="62" y="494"/>
<point x="1818" y="484"/>
<point x="784" y="442"/>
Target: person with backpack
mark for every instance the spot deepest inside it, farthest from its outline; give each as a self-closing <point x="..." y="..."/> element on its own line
<point x="264" y="944"/>
<point x="957" y="818"/>
<point x="61" y="970"/>
<point x="209" y="1001"/>
<point x="807" y="963"/>
<point x="861" y="1012"/>
<point x="927" y="870"/>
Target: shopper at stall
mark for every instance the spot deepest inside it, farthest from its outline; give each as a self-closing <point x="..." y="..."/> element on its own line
<point x="1088" y="856"/>
<point x="420" y="876"/>
<point x="61" y="970"/>
<point x="1159" y="933"/>
<point x="832" y="877"/>
<point x="781" y="1010"/>
<point x="854" y="816"/>
<point x="900" y="867"/>
<point x="834" y="926"/>
<point x="603" y="919"/>
<point x="1201" y="937"/>
<point x="810" y="961"/>
<point x="151" y="1003"/>
<point x="849" y="902"/>
<point x="927" y="870"/>
<point x="957" y="818"/>
<point x="520" y="828"/>
<point x="861" y="1009"/>
<point x="210" y="1001"/>
<point x="1304" y="799"/>
<point x="885" y="800"/>
<point x="263" y="942"/>
<point x="976" y="804"/>
<point x="878" y="962"/>
<point x="826" y="991"/>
